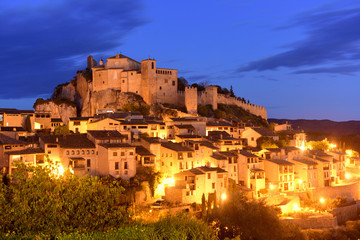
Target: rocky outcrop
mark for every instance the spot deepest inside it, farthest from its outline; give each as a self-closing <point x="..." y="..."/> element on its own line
<point x="58" y="110"/>
<point x="109" y="98"/>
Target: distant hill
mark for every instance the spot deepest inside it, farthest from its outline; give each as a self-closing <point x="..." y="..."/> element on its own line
<point x="323" y="126"/>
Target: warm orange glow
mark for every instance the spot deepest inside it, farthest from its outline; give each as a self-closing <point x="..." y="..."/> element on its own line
<point x="223" y="196"/>
<point x="347" y="175"/>
<point x="332" y="146"/>
<point x="296" y="207"/>
<point x="169" y="181"/>
<point x="300" y="181"/>
<point x="271" y="186"/>
<point x="322" y="200"/>
<point x="302" y="148"/>
<point x="349" y="152"/>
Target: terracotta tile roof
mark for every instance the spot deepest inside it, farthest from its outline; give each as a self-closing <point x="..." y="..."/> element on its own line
<point x="116" y="145"/>
<point x="122" y="56"/>
<point x="219" y="124"/>
<point x="196" y="171"/>
<point x="6" y="140"/>
<point x="256" y="170"/>
<point x="188" y="136"/>
<point x="305" y="161"/>
<point x="105" y="134"/>
<point x="140" y="150"/>
<point x="26" y="151"/>
<point x="134" y="122"/>
<point x="69" y="141"/>
<point x="218" y="156"/>
<point x="247" y="154"/>
<point x="176" y="147"/>
<point x="265" y="132"/>
<point x="279" y="161"/>
<point x="151" y="139"/>
<point x="229" y="154"/>
<point x="185" y="126"/>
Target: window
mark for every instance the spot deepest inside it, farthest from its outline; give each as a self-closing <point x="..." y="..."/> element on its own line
<point x="213" y="185"/>
<point x="49" y="152"/>
<point x="67" y="152"/>
<point x="170" y="164"/>
<point x="122" y="154"/>
<point x="189" y="154"/>
<point x="116" y="165"/>
<point x="77" y="152"/>
<point x="7" y="147"/>
<point x="180" y="156"/>
<point x="152" y="65"/>
<point x="209" y="175"/>
<point x="88" y="163"/>
<point x="92" y="151"/>
<point x="82" y="152"/>
<point x="72" y="152"/>
<point x="87" y="152"/>
<point x="114" y="154"/>
<point x="125" y="165"/>
<point x="76" y="123"/>
<point x="173" y="83"/>
<point x="131" y="153"/>
<point x="160" y="88"/>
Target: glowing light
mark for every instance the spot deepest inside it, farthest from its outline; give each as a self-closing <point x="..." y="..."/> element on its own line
<point x="150" y="210"/>
<point x="349" y="152"/>
<point x="61" y="170"/>
<point x="347" y="175"/>
<point x="332" y="145"/>
<point x="223" y="196"/>
<point x="302" y="148"/>
<point x="271" y="186"/>
<point x="296" y="207"/>
<point x="322" y="200"/>
<point x="300" y="181"/>
<point x="169" y="181"/>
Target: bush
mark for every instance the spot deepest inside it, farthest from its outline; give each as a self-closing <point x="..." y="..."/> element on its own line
<point x="38" y="201"/>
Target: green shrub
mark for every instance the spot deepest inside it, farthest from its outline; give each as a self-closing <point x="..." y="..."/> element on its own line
<point x="37" y="201"/>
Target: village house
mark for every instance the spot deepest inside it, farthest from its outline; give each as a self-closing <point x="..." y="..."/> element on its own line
<point x="190" y="185"/>
<point x="280" y="173"/>
<point x="253" y="134"/>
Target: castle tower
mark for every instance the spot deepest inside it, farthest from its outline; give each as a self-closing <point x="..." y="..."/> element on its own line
<point x="191" y="101"/>
<point x="91" y="62"/>
<point x="212" y="96"/>
<point x="148" y="80"/>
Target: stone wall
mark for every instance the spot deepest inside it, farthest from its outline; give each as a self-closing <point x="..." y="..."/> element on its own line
<point x="351" y="191"/>
<point x="313" y="222"/>
<point x="347" y="213"/>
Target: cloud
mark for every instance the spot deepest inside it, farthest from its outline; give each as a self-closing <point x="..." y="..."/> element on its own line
<point x="345" y="70"/>
<point x="40" y="41"/>
<point x="332" y="36"/>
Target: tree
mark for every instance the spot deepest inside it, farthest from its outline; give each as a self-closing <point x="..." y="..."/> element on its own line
<point x="232" y="92"/>
<point x="203" y="205"/>
<point x="266" y="142"/>
<point x="62" y="130"/>
<point x="220" y="114"/>
<point x="319" y="145"/>
<point x="39" y="200"/>
<point x="182" y="83"/>
<point x="28" y="124"/>
<point x="250" y="219"/>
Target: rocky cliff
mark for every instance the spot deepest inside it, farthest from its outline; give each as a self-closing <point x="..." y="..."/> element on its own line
<point x="76" y="98"/>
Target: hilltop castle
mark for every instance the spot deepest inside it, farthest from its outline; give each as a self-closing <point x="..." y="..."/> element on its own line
<point x="157" y="85"/>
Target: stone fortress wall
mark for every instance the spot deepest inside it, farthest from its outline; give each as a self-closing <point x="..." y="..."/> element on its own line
<point x="212" y="97"/>
<point x="157" y="85"/>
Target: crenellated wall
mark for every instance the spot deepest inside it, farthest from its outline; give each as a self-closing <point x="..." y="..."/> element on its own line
<point x="211" y="96"/>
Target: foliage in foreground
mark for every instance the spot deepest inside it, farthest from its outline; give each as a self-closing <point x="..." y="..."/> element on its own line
<point x="49" y="204"/>
<point x="251" y="219"/>
<point x="178" y="227"/>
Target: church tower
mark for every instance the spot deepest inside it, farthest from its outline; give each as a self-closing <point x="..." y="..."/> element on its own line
<point x="148" y="80"/>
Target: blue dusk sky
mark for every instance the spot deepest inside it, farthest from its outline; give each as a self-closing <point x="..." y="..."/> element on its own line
<point x="299" y="59"/>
